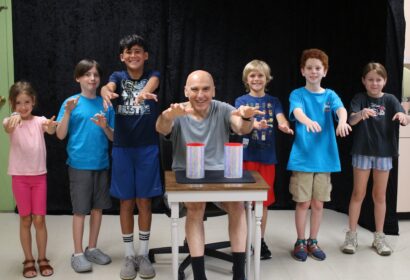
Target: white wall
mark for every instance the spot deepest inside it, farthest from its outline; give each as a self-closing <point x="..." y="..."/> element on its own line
<point x="407" y="38"/>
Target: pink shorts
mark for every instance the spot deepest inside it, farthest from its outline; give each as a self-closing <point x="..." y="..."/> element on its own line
<point x="30" y="193"/>
<point x="267" y="172"/>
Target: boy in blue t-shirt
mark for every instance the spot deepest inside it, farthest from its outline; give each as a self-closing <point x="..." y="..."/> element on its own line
<point x="314" y="153"/>
<point x="88" y="161"/>
<point x="135" y="154"/>
<point x="259" y="149"/>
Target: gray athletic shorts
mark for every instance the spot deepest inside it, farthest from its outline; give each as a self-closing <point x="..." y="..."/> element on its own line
<point x="89" y="189"/>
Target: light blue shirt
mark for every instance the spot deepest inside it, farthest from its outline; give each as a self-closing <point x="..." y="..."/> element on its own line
<point x="87" y="146"/>
<point x="315" y="151"/>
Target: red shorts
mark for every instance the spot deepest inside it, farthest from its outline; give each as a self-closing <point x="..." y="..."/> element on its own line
<point x="30" y="193"/>
<point x="267" y="172"/>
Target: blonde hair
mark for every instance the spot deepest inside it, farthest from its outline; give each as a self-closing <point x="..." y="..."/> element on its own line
<point x="256" y="65"/>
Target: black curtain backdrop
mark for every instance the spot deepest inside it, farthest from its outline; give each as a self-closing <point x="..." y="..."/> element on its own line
<point x="50" y="37"/>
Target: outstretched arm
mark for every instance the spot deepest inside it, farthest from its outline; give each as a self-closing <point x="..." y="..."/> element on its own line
<point x="242" y="119"/>
<point x="101" y="121"/>
<point x="11" y="122"/>
<point x="49" y="125"/>
<point x="147" y="91"/>
<point x="62" y="126"/>
<point x="283" y="124"/>
<point x="165" y="121"/>
<point x="362" y="115"/>
<point x="402" y="118"/>
<point x="343" y="128"/>
<point x="108" y="93"/>
<point x="311" y="126"/>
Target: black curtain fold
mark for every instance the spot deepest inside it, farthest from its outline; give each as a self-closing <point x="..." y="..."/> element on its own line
<point x="50" y="37"/>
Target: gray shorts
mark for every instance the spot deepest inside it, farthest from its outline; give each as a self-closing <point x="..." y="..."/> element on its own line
<point x="89" y="189"/>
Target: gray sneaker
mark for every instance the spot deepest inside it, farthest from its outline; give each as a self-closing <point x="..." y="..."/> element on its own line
<point x="350" y="244"/>
<point x="128" y="270"/>
<point x="144" y="267"/>
<point x="380" y="244"/>
<point x="97" y="256"/>
<point x="80" y="264"/>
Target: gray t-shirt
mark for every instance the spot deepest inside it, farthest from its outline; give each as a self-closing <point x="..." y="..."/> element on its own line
<point x="213" y="131"/>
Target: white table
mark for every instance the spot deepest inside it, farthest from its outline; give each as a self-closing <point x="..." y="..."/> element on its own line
<point x="247" y="192"/>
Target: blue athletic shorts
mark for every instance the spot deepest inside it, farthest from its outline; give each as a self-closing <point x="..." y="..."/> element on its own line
<point x="135" y="172"/>
<point x="370" y="162"/>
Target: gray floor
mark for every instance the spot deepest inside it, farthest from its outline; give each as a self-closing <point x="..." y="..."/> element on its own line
<point x="365" y="264"/>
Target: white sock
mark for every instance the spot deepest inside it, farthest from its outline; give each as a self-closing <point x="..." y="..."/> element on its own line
<point x="128" y="240"/>
<point x="143" y="243"/>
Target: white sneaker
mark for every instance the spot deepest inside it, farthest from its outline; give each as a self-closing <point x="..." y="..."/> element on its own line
<point x="381" y="245"/>
<point x="80" y="264"/>
<point x="128" y="270"/>
<point x="144" y="267"/>
<point x="350" y="244"/>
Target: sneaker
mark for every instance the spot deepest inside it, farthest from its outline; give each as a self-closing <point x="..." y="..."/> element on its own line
<point x="128" y="270"/>
<point x="380" y="244"/>
<point x="144" y="267"/>
<point x="97" y="256"/>
<point x="350" y="244"/>
<point x="80" y="264"/>
<point x="265" y="252"/>
<point x="314" y="250"/>
<point x="300" y="250"/>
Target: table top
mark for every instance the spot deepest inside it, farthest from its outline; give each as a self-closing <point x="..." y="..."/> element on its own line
<point x="171" y="184"/>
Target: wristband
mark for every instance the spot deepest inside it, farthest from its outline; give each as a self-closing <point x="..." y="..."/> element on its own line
<point x="246" y="119"/>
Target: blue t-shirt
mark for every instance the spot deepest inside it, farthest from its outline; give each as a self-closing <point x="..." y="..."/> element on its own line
<point x="312" y="151"/>
<point x="134" y="124"/>
<point x="259" y="145"/>
<point x="87" y="146"/>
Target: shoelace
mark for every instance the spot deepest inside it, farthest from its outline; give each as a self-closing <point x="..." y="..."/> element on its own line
<point x="350" y="240"/>
<point x="381" y="244"/>
<point x="313" y="246"/>
<point x="301" y="247"/>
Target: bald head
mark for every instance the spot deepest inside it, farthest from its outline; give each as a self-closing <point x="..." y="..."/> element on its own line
<point x="200" y="75"/>
<point x="200" y="90"/>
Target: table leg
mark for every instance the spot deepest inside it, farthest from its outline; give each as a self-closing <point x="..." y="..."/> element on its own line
<point x="248" y="207"/>
<point x="257" y="240"/>
<point x="174" y="236"/>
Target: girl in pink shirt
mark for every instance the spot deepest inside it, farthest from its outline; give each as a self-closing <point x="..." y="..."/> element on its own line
<point x="27" y="166"/>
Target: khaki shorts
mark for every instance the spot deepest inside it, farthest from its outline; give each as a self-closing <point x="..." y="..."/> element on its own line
<point x="307" y="185"/>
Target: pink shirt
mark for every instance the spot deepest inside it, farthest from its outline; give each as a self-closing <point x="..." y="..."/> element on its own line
<point x="27" y="148"/>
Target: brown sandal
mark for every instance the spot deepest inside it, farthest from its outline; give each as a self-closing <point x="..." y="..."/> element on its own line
<point x="30" y="268"/>
<point x="45" y="267"/>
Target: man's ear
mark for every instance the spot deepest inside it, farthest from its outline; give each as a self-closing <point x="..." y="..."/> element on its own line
<point x="122" y="57"/>
<point x="146" y="55"/>
<point x="186" y="92"/>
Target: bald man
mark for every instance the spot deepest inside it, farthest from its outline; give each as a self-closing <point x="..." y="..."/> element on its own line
<point x="202" y="119"/>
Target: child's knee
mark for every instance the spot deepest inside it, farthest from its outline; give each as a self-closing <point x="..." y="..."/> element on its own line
<point x="316" y="205"/>
<point x="144" y="205"/>
<point x="26" y="221"/>
<point x="39" y="221"/>
<point x="303" y="205"/>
